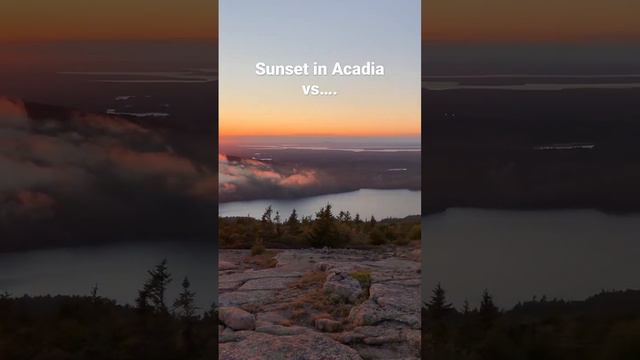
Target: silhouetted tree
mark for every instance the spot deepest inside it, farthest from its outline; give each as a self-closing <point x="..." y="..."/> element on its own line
<point x="266" y="216"/>
<point x="437" y="310"/>
<point x="324" y="231"/>
<point x="184" y="304"/>
<point x="466" y="308"/>
<point x="293" y="224"/>
<point x="266" y="224"/>
<point x="278" y="224"/>
<point x="488" y="311"/>
<point x="94" y="291"/>
<point x="438" y="307"/>
<point x="153" y="292"/>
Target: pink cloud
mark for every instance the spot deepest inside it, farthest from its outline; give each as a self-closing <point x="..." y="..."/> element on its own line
<point x="304" y="178"/>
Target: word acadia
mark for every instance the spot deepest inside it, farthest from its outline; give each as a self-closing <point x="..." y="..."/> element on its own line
<point x="368" y="69"/>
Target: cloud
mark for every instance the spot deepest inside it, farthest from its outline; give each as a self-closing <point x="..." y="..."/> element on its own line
<point x="85" y="178"/>
<point x="241" y="178"/>
<point x="23" y="205"/>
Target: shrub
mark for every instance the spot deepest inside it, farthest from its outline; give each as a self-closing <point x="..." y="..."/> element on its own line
<point x="257" y="248"/>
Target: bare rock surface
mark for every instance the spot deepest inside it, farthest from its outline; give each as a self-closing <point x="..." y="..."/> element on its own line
<point x="308" y="346"/>
<point x="324" y="304"/>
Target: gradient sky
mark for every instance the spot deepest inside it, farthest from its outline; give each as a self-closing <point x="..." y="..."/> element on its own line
<point x="46" y="20"/>
<point x="293" y="31"/>
<point x="531" y="20"/>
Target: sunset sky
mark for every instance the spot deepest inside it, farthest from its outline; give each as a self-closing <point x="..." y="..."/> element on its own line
<point x="293" y="32"/>
<point x="44" y="20"/>
<point x="530" y="20"/>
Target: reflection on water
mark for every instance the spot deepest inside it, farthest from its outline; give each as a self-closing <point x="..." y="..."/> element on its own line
<point x="366" y="202"/>
<point x="118" y="270"/>
<point x="518" y="254"/>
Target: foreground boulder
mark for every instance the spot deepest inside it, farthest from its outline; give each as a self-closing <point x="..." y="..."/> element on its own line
<point x="307" y="346"/>
<point x="236" y="318"/>
<point x="342" y="286"/>
<point x="388" y="302"/>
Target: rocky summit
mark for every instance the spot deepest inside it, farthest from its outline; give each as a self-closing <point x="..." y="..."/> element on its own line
<point x="316" y="304"/>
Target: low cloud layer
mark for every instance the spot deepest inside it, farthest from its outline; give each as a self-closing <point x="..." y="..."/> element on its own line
<point x="71" y="177"/>
<point x="241" y="178"/>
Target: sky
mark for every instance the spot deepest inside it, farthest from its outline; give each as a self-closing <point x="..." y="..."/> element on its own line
<point x="291" y="32"/>
<point x="530" y="20"/>
<point x="65" y="20"/>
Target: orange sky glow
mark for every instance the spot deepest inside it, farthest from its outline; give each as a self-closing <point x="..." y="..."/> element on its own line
<point x="530" y="20"/>
<point x="63" y="20"/>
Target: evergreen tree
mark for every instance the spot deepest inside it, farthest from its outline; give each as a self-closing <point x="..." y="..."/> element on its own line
<point x="153" y="293"/>
<point x="437" y="310"/>
<point x="488" y="310"/>
<point x="212" y="313"/>
<point x="278" y="224"/>
<point x="184" y="304"/>
<point x="438" y="307"/>
<point x="94" y="292"/>
<point x="466" y="308"/>
<point x="357" y="219"/>
<point x="293" y="224"/>
<point x="324" y="231"/>
<point x="266" y="216"/>
<point x="266" y="224"/>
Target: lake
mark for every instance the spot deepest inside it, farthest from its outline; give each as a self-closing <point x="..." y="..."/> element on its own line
<point x="119" y="270"/>
<point x="366" y="202"/>
<point x="517" y="254"/>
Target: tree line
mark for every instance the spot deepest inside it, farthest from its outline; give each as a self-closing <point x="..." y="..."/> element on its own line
<point x="325" y="229"/>
<point x="604" y="326"/>
<point x="95" y="327"/>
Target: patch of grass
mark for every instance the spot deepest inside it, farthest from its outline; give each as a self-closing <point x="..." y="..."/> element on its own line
<point x="310" y="279"/>
<point x="307" y="307"/>
<point x="363" y="277"/>
<point x="263" y="260"/>
<point x="258" y="249"/>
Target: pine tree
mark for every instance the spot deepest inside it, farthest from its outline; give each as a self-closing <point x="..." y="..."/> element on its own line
<point x="266" y="216"/>
<point x="488" y="310"/>
<point x="184" y="304"/>
<point x="324" y="231"/>
<point x="153" y="293"/>
<point x="266" y="224"/>
<point x="278" y="224"/>
<point x="438" y="307"/>
<point x="357" y="219"/>
<point x="466" y="308"/>
<point x="94" y="291"/>
<point x="437" y="310"/>
<point x="293" y="224"/>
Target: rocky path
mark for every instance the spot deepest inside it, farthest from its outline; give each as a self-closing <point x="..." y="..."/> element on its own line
<point x="321" y="304"/>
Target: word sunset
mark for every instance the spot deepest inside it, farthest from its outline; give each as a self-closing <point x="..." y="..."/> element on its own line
<point x="370" y="68"/>
<point x="315" y="69"/>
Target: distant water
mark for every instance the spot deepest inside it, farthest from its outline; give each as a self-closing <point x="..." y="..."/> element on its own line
<point x="518" y="254"/>
<point x="366" y="202"/>
<point x="452" y="85"/>
<point x="119" y="270"/>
